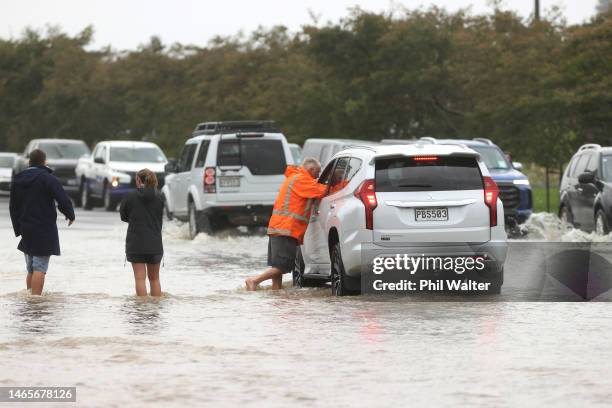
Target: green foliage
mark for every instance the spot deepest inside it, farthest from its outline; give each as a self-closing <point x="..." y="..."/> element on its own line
<point x="539" y="89"/>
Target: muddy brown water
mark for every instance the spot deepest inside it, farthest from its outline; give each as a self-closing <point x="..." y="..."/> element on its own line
<point x="208" y="342"/>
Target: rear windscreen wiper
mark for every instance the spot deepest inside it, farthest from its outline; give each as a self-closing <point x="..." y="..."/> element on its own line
<point x="416" y="185"/>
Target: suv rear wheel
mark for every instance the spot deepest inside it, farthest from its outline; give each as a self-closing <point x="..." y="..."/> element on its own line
<point x="109" y="203"/>
<point x="85" y="197"/>
<point x="198" y="222"/>
<point x="338" y="275"/>
<point x="193" y="221"/>
<point x="601" y="223"/>
<point x="167" y="212"/>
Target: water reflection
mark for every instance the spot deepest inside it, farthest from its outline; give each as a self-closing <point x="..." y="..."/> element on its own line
<point x="143" y="315"/>
<point x="38" y="314"/>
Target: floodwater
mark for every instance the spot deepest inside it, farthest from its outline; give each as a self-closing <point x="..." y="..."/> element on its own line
<point x="208" y="342"/>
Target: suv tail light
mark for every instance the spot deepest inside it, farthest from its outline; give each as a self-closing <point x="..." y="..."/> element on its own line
<point x="366" y="192"/>
<point x="210" y="180"/>
<point x="491" y="192"/>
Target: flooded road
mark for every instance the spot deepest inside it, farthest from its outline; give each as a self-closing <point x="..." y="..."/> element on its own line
<point x="208" y="342"/>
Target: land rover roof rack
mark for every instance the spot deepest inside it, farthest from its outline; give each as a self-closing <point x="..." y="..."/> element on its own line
<point x="483" y="140"/>
<point x="214" y="128"/>
<point x="589" y="146"/>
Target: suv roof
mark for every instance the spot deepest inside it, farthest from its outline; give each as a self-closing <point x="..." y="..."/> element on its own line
<point x="53" y="140"/>
<point x="477" y="141"/>
<point x="128" y="143"/>
<point x="418" y="149"/>
<point x="214" y="128"/>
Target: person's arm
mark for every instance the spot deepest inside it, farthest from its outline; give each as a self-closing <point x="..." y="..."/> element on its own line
<point x="59" y="195"/>
<point x="124" y="209"/>
<point x="15" y="210"/>
<point x="307" y="187"/>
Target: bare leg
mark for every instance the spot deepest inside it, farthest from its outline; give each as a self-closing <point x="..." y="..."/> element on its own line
<point x="272" y="273"/>
<point x="140" y="276"/>
<point x="277" y="283"/>
<point x="153" y="273"/>
<point x="29" y="281"/>
<point x="38" y="282"/>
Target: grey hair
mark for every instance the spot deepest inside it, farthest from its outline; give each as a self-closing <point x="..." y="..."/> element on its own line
<point x="310" y="161"/>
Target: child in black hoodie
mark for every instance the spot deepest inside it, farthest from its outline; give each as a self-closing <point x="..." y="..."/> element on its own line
<point x="143" y="211"/>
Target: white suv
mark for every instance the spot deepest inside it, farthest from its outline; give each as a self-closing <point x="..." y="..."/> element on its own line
<point x="228" y="174"/>
<point x="436" y="200"/>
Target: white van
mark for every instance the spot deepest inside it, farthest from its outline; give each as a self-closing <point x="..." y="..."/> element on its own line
<point x="228" y="174"/>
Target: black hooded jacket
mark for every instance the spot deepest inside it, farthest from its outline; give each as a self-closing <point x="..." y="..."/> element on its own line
<point x="143" y="210"/>
<point x="34" y="192"/>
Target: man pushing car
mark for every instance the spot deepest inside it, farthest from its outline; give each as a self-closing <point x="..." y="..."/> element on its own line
<point x="289" y="220"/>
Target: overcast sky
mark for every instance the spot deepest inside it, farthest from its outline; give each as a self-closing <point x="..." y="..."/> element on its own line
<point x="124" y="24"/>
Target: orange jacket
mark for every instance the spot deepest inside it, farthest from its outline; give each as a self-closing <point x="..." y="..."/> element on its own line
<point x="292" y="207"/>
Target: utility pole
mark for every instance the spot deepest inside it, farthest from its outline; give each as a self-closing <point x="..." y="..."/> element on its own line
<point x="537" y="10"/>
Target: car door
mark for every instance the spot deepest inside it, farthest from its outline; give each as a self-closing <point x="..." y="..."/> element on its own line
<point x="588" y="193"/>
<point x="182" y="179"/>
<point x="96" y="170"/>
<point x="314" y="250"/>
<point x="580" y="206"/>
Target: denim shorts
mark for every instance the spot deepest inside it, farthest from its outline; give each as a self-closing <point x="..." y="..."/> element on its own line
<point x="37" y="263"/>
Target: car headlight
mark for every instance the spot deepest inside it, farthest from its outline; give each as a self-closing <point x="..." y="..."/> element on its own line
<point x="521" y="182"/>
<point x="120" y="178"/>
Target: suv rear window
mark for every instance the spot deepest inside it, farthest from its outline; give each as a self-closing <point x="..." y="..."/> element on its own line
<point x="263" y="157"/>
<point x="441" y="174"/>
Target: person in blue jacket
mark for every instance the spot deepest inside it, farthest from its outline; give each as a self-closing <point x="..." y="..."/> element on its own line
<point x="34" y="193"/>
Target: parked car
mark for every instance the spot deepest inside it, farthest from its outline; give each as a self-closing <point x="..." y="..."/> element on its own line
<point x="324" y="149"/>
<point x="62" y="158"/>
<point x="228" y="174"/>
<point x="586" y="189"/>
<point x="373" y="204"/>
<point x="296" y="152"/>
<point x="514" y="186"/>
<point x="7" y="166"/>
<point x="109" y="173"/>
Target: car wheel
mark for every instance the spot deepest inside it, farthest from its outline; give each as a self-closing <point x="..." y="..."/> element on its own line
<point x="167" y="212"/>
<point x="566" y="216"/>
<point x="338" y="275"/>
<point x="299" y="281"/>
<point x="85" y="197"/>
<point x="109" y="203"/>
<point x="193" y="221"/>
<point x="601" y="223"/>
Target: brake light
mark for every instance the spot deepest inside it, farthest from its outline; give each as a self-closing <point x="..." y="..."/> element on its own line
<point x="491" y="192"/>
<point x="366" y="192"/>
<point x="424" y="158"/>
<point x="209" y="180"/>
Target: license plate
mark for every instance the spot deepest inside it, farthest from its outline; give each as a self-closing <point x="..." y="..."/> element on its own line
<point x="229" y="181"/>
<point x="73" y="182"/>
<point x="431" y="214"/>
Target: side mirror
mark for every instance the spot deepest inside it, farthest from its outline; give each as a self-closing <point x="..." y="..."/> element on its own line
<point x="170" y="166"/>
<point x="517" y="165"/>
<point x="586" y="178"/>
<point x="99" y="160"/>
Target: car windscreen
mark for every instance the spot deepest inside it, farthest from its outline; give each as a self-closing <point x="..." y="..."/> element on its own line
<point x="427" y="174"/>
<point x="492" y="157"/>
<point x="64" y="150"/>
<point x="137" y="154"/>
<point x="6" y="162"/>
<point x="263" y="157"/>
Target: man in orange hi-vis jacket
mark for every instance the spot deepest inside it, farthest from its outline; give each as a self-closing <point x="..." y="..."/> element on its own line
<point x="289" y="220"/>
